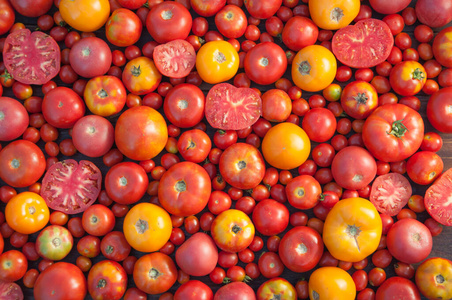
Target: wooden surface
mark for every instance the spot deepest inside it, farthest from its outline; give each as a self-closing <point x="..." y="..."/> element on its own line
<point x="441" y="244"/>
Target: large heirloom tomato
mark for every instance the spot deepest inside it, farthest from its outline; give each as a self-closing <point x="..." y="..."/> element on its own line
<point x="299" y="32"/>
<point x="141" y="133"/>
<point x="407" y="78"/>
<point x="14" y="119"/>
<point x="184" y="189"/>
<point x="438" y="112"/>
<point x="434" y="278"/>
<point x="147" y="227"/>
<point x="85" y="15"/>
<point x="232" y="230"/>
<point x="54" y="242"/>
<point x="286" y="146"/>
<point x="397" y="288"/>
<point x="154" y="273"/>
<point x="352" y="229"/>
<point x="331" y="283"/>
<point x="313" y="68"/>
<point x="107" y="279"/>
<point x="359" y="99"/>
<point x="141" y="76"/>
<point x="123" y="28"/>
<point x="333" y="14"/>
<point x="301" y="248"/>
<point x="27" y="213"/>
<point x="442" y="47"/>
<point x="393" y="132"/>
<point x="22" y="163"/>
<point x="90" y="57"/>
<point x="105" y="95"/>
<point x="217" y="61"/>
<point x="62" y="107"/>
<point x="242" y="166"/>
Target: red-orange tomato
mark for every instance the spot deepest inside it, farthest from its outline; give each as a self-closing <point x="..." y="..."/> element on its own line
<point x="105" y="95"/>
<point x="107" y="280"/>
<point x="359" y="99"/>
<point x="141" y="76"/>
<point x="276" y="105"/>
<point x="407" y="78"/>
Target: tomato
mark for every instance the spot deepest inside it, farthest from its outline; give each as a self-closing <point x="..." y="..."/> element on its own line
<point x="90" y="57"/>
<point x="184" y="189"/>
<point x="14" y="119"/>
<point x="68" y="282"/>
<point x="126" y="182"/>
<point x="98" y="220"/>
<point x="388" y="7"/>
<point x="274" y="288"/>
<point x="352" y="229"/>
<point x="393" y="132"/>
<point x="390" y="193"/>
<point x="363" y="45"/>
<point x="85" y="15"/>
<point x="399" y="288"/>
<point x="37" y="50"/>
<point x="300" y="249"/>
<point x="331" y="283"/>
<point x="333" y="15"/>
<point x="70" y="186"/>
<point x="232" y="230"/>
<point x="193" y="289"/>
<point x="175" y="59"/>
<point x="303" y="192"/>
<point x="123" y="28"/>
<point x="265" y="63"/>
<point x="54" y="242"/>
<point x="207" y="8"/>
<point x="168" y="21"/>
<point x="7" y="16"/>
<point x="13" y="265"/>
<point x="114" y="246"/>
<point x="353" y="168"/>
<point x="235" y="290"/>
<point x="359" y="99"/>
<point x="62" y="107"/>
<point x="10" y="290"/>
<point x="105" y="95"/>
<point x="184" y="105"/>
<point x="437" y="110"/>
<point x="320" y="124"/>
<point x="231" y="21"/>
<point x="198" y="255"/>
<point x="147" y="227"/>
<point x="436" y="199"/>
<point x="424" y="167"/>
<point x="22" y="163"/>
<point x="270" y="217"/>
<point x="107" y="280"/>
<point x="154" y="273"/>
<point x="313" y="68"/>
<point x="242" y="166"/>
<point x="93" y="135"/>
<point x="194" y="145"/>
<point x="433" y="278"/>
<point x="407" y="78"/>
<point x="141" y="133"/>
<point x="286" y="146"/>
<point x="217" y="61"/>
<point x="436" y="16"/>
<point x="141" y="76"/>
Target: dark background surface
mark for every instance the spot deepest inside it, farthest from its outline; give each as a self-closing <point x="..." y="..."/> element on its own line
<point x="441" y="244"/>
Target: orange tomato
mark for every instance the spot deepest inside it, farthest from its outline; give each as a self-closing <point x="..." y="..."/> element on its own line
<point x="141" y="76"/>
<point x="27" y="213"/>
<point x="105" y="95"/>
<point x="286" y="146"/>
<point x="314" y="68"/>
<point x="331" y="283"/>
<point x="434" y="278"/>
<point x="352" y="229"/>
<point x="217" y="61"/>
<point x="333" y="14"/>
<point x="147" y="227"/>
<point x="85" y="15"/>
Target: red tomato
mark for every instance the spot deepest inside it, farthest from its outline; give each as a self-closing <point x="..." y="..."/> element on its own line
<point x="107" y="280"/>
<point x="262" y="9"/>
<point x="194" y="145"/>
<point x="13" y="265"/>
<point x="175" y="59"/>
<point x="207" y="8"/>
<point x="126" y="183"/>
<point x="398" y="288"/>
<point x="93" y="135"/>
<point x="13" y="119"/>
<point x="437" y="15"/>
<point x="301" y="248"/>
<point x="231" y="21"/>
<point x="235" y="290"/>
<point x="424" y="167"/>
<point x="388" y="7"/>
<point x="303" y="192"/>
<point x="70" y="186"/>
<point x="270" y="217"/>
<point x="38" y="51"/>
<point x="7" y="16"/>
<point x="265" y="63"/>
<point x="320" y="124"/>
<point x="437" y="110"/>
<point x="11" y="290"/>
<point x="193" y="290"/>
<point x="299" y="32"/>
<point x="90" y="57"/>
<point x="62" y="107"/>
<point x="105" y="95"/>
<point x="123" y="28"/>
<point x="436" y="199"/>
<point x="359" y="99"/>
<point x="407" y="78"/>
<point x="390" y="193"/>
<point x="114" y="246"/>
<point x="184" y="105"/>
<point x="352" y="44"/>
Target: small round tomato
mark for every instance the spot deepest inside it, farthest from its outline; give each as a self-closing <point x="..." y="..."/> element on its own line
<point x="231" y="21"/>
<point x="333" y="14"/>
<point x="438" y="112"/>
<point x="303" y="192"/>
<point x="352" y="229"/>
<point x="123" y="28"/>
<point x="434" y="278"/>
<point x="27" y="213"/>
<point x="141" y="76"/>
<point x="105" y="95"/>
<point x="13" y="266"/>
<point x="147" y="227"/>
<point x="286" y="146"/>
<point x="359" y="99"/>
<point x="276" y="288"/>
<point x="217" y="61"/>
<point x="265" y="63"/>
<point x="232" y="230"/>
<point x="85" y="15"/>
<point x="331" y="283"/>
<point x="62" y="107"/>
<point x="314" y="68"/>
<point x="14" y="118"/>
<point x="98" y="220"/>
<point x="299" y="32"/>
<point x="441" y="47"/>
<point x="270" y="217"/>
<point x="424" y="167"/>
<point x="107" y="280"/>
<point x="194" y="145"/>
<point x="276" y="105"/>
<point x="407" y="78"/>
<point x="319" y="124"/>
<point x="184" y="105"/>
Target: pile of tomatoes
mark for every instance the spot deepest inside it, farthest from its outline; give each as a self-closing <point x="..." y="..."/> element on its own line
<point x="224" y="149"/>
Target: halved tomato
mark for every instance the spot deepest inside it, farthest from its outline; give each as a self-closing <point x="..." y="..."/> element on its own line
<point x="438" y="199"/>
<point x="390" y="193"/>
<point x="175" y="59"/>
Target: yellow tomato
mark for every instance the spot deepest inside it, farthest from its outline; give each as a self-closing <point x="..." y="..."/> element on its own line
<point x="27" y="213"/>
<point x="141" y="76"/>
<point x="314" y="68"/>
<point x="85" y="15"/>
<point x="147" y="227"/>
<point x="286" y="146"/>
<point x="352" y="229"/>
<point x="333" y="14"/>
<point x="217" y="61"/>
<point x="331" y="283"/>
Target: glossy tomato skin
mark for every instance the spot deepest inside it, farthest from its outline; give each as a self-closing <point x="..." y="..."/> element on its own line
<point x="242" y="166"/>
<point x="217" y="61"/>
<point x="68" y="282"/>
<point x="107" y="279"/>
<point x="22" y="163"/>
<point x="194" y="145"/>
<point x="13" y="265"/>
<point x="193" y="289"/>
<point x="54" y="242"/>
<point x="397" y="287"/>
<point x="90" y="57"/>
<point x="275" y="287"/>
<point x="207" y="8"/>
<point x="141" y="76"/>
<point x="265" y="63"/>
<point x="331" y="283"/>
<point x="231" y="21"/>
<point x="262" y="9"/>
<point x="169" y="21"/>
<point x="62" y="107"/>
<point x="437" y="112"/>
<point x="155" y="273"/>
<point x="184" y="105"/>
<point x="7" y="16"/>
<point x="85" y="15"/>
<point x="359" y="99"/>
<point x="407" y="78"/>
<point x="424" y="167"/>
<point x="270" y="217"/>
<point x="141" y="133"/>
<point x="184" y="189"/>
<point x="393" y="132"/>
<point x="14" y="119"/>
<point x="32" y="9"/>
<point x="433" y="278"/>
<point x="105" y="95"/>
<point x="123" y="28"/>
<point x="235" y="290"/>
<point x="303" y="192"/>
<point x="320" y="124"/>
<point x="301" y="248"/>
<point x="332" y="15"/>
<point x="352" y="229"/>
<point x="93" y="135"/>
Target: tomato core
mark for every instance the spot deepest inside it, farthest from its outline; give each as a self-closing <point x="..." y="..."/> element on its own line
<point x="31" y="210"/>
<point x="136" y="71"/>
<point x="102" y="283"/>
<point x="361" y="98"/>
<point x="182" y="104"/>
<point x="219" y="57"/>
<point x="241" y="165"/>
<point x="56" y="242"/>
<point x="300" y="192"/>
<point x="263" y="61"/>
<point x="398" y="129"/>
<point x="304" y="68"/>
<point x="86" y="51"/>
<point x="337" y="14"/>
<point x="301" y="249"/>
<point x="2" y="115"/>
<point x="102" y="93"/>
<point x="123" y="181"/>
<point x="439" y="279"/>
<point x="141" y="226"/>
<point x="154" y="273"/>
<point x="315" y="295"/>
<point x="418" y="74"/>
<point x="167" y="15"/>
<point x="15" y="163"/>
<point x="236" y="229"/>
<point x="109" y="249"/>
<point x="181" y="186"/>
<point x="354" y="232"/>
